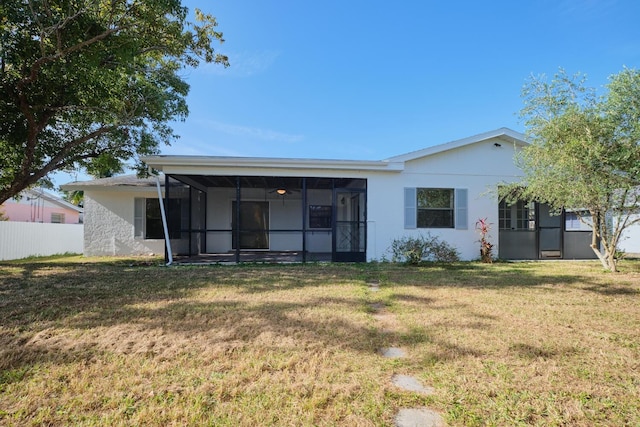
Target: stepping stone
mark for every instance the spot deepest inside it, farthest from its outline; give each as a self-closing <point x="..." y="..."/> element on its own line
<point x="377" y="306"/>
<point x="410" y="383"/>
<point x="393" y="353"/>
<point x="422" y="417"/>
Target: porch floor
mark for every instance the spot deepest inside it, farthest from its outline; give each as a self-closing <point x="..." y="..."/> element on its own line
<point x="269" y="257"/>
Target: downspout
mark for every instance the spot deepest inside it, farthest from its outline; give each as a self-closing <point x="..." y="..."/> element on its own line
<point x="164" y="222"/>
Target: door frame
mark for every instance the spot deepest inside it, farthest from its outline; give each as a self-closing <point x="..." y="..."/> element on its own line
<point x="360" y="225"/>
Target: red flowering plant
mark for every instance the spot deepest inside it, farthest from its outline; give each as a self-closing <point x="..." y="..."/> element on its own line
<point x="486" y="248"/>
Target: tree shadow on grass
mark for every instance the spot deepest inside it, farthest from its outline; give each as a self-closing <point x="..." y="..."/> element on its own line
<point x="59" y="312"/>
<point x="146" y="300"/>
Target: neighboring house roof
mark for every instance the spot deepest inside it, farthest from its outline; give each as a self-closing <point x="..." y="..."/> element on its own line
<point x="38" y="193"/>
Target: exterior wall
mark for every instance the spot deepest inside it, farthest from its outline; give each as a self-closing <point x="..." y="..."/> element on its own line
<point x="479" y="168"/>
<point x="38" y="210"/>
<point x="108" y="225"/>
<point x="630" y="241"/>
<point x="22" y="239"/>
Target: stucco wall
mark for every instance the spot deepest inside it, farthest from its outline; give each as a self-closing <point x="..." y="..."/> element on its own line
<point x="108" y="225"/>
<point x="479" y="168"/>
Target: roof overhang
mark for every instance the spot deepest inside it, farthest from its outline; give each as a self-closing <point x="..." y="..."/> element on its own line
<point x="210" y="165"/>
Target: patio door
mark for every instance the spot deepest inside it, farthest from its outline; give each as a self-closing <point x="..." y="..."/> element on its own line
<point x="254" y="225"/>
<point x="349" y="225"/>
<point x="550" y="233"/>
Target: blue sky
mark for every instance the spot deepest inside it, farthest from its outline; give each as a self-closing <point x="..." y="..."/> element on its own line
<point x="371" y="79"/>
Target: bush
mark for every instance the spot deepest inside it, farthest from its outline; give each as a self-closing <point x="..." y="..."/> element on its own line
<point x="414" y="250"/>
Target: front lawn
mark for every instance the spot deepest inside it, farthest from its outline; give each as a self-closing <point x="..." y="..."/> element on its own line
<point x="130" y="342"/>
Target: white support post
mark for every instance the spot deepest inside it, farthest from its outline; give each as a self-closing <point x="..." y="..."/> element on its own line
<point x="164" y="222"/>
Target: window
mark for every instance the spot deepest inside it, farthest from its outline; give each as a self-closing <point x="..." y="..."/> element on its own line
<point x="147" y="222"/>
<point x="518" y="216"/>
<point x="435" y="207"/>
<point x="572" y="221"/>
<point x="57" y="218"/>
<point x="320" y="216"/>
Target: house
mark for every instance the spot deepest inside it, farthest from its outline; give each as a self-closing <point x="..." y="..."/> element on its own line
<point x="279" y="209"/>
<point x="37" y="205"/>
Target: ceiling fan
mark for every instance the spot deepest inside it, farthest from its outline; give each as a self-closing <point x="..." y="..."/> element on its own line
<point x="282" y="191"/>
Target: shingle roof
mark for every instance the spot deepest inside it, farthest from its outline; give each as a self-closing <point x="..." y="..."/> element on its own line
<point x="114" y="181"/>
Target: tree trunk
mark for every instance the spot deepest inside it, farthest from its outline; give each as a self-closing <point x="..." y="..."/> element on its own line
<point x="607" y="259"/>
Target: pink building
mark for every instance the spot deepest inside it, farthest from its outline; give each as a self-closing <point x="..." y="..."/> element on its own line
<point x="39" y="206"/>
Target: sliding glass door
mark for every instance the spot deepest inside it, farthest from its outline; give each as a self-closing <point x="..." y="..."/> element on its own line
<point x="254" y="224"/>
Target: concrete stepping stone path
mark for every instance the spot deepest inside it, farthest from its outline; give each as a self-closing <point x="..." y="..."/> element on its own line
<point x="406" y="417"/>
<point x="418" y="417"/>
<point x="409" y="383"/>
<point x="393" y="353"/>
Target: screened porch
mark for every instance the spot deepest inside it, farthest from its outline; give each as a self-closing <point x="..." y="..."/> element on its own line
<point x="214" y="219"/>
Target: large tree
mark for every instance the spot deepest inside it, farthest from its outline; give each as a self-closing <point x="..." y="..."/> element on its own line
<point x="584" y="153"/>
<point x="91" y="84"/>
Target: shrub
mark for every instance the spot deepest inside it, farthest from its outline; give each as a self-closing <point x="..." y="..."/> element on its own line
<point x="414" y="250"/>
<point x="486" y="248"/>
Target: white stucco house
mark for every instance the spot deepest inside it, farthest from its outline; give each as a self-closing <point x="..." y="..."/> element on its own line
<point x="275" y="209"/>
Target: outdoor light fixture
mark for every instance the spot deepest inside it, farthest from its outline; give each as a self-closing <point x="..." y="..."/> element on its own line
<point x="497" y="144"/>
<point x="281" y="191"/>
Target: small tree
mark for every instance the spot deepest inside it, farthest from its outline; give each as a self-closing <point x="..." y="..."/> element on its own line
<point x="584" y="153"/>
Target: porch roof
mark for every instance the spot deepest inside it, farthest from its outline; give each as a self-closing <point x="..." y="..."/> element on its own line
<point x="216" y="165"/>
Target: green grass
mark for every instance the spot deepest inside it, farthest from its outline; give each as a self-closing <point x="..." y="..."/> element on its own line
<point x="130" y="342"/>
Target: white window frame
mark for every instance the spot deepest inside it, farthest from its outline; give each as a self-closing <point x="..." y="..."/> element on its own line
<point x="460" y="208"/>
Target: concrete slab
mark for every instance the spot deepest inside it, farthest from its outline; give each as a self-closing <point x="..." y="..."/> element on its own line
<point x="393" y="353"/>
<point x="418" y="417"/>
<point x="410" y="383"/>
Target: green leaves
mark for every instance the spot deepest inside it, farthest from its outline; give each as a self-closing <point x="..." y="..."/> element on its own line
<point x="584" y="150"/>
<point x="83" y="80"/>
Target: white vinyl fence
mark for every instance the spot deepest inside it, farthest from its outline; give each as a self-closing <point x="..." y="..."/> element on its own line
<point x="24" y="239"/>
